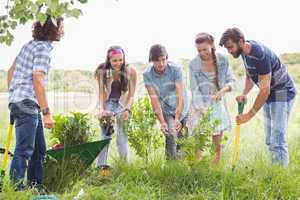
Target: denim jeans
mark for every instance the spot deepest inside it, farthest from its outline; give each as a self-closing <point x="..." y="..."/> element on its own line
<point x="122" y="137"/>
<point x="30" y="144"/>
<point x="172" y="148"/>
<point x="276" y="115"/>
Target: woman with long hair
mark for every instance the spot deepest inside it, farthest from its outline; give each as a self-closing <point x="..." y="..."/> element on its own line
<point x="210" y="79"/>
<point x="117" y="83"/>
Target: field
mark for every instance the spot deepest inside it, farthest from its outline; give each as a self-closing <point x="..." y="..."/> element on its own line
<point x="253" y="178"/>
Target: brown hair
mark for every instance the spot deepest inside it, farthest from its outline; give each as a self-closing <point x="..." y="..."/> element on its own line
<point x="205" y="37"/>
<point x="106" y="67"/>
<point x="233" y="34"/>
<point x="157" y="51"/>
<point x="48" y="31"/>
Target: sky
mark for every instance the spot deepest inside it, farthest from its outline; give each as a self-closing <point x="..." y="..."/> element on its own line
<point x="137" y="24"/>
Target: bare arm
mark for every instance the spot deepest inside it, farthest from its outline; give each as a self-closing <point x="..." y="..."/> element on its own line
<point x="39" y="88"/>
<point x="179" y="99"/>
<point x="247" y="88"/>
<point x="226" y="88"/>
<point x="10" y="73"/>
<point x="102" y="91"/>
<point x="264" y="84"/>
<point x="248" y="85"/>
<point x="155" y="104"/>
<point x="132" y="87"/>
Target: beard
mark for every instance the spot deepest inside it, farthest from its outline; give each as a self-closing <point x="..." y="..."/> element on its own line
<point x="237" y="53"/>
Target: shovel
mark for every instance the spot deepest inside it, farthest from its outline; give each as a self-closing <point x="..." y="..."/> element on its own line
<point x="237" y="136"/>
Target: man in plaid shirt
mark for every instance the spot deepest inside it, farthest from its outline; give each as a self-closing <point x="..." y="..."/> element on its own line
<point x="27" y="79"/>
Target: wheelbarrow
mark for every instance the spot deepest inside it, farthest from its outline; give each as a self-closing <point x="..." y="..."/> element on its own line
<point x="86" y="152"/>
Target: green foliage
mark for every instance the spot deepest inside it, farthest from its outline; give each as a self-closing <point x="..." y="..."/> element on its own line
<point x="68" y="130"/>
<point x="71" y="130"/>
<point x="291" y="58"/>
<point x="142" y="130"/>
<point x="23" y="11"/>
<point x="60" y="175"/>
<point x="201" y="138"/>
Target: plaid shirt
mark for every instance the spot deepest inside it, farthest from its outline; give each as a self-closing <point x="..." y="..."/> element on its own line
<point x="34" y="56"/>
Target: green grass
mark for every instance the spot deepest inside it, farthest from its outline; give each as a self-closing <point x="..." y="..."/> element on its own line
<point x="254" y="177"/>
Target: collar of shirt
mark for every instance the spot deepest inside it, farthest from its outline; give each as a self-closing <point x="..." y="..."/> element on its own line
<point x="49" y="45"/>
<point x="163" y="74"/>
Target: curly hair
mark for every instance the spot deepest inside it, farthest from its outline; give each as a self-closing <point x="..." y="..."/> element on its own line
<point x="48" y="31"/>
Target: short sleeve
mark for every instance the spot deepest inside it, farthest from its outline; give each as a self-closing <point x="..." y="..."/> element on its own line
<point x="263" y="61"/>
<point x="147" y="80"/>
<point x="41" y="60"/>
<point x="178" y="74"/>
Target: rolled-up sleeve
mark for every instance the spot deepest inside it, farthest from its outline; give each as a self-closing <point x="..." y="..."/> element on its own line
<point x="229" y="77"/>
<point x="194" y="86"/>
<point x="41" y="60"/>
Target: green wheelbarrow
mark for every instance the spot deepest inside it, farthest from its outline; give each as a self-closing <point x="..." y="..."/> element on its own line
<point x="86" y="152"/>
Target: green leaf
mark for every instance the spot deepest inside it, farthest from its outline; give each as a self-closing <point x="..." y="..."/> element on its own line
<point x="83" y="1"/>
<point x="75" y="13"/>
<point x="41" y="17"/>
<point x="2" y="39"/>
<point x="13" y="24"/>
<point x="3" y="17"/>
<point x="34" y="8"/>
<point x="52" y="5"/>
<point x="5" y="25"/>
<point x="23" y="20"/>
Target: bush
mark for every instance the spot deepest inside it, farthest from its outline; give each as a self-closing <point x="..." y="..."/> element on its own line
<point x="69" y="130"/>
<point x="142" y="129"/>
<point x="201" y="138"/>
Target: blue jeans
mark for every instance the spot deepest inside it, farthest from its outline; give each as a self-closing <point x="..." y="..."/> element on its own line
<point x="172" y="149"/>
<point x="276" y="115"/>
<point x="30" y="144"/>
<point x="122" y="137"/>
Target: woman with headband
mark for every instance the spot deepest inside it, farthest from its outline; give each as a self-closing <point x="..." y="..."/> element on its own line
<point x="117" y="83"/>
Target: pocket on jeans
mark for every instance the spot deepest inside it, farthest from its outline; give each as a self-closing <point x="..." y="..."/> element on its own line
<point x="23" y="112"/>
<point x="24" y="107"/>
<point x="23" y="118"/>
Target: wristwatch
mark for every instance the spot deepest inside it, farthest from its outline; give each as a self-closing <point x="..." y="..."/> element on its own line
<point x="45" y="111"/>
